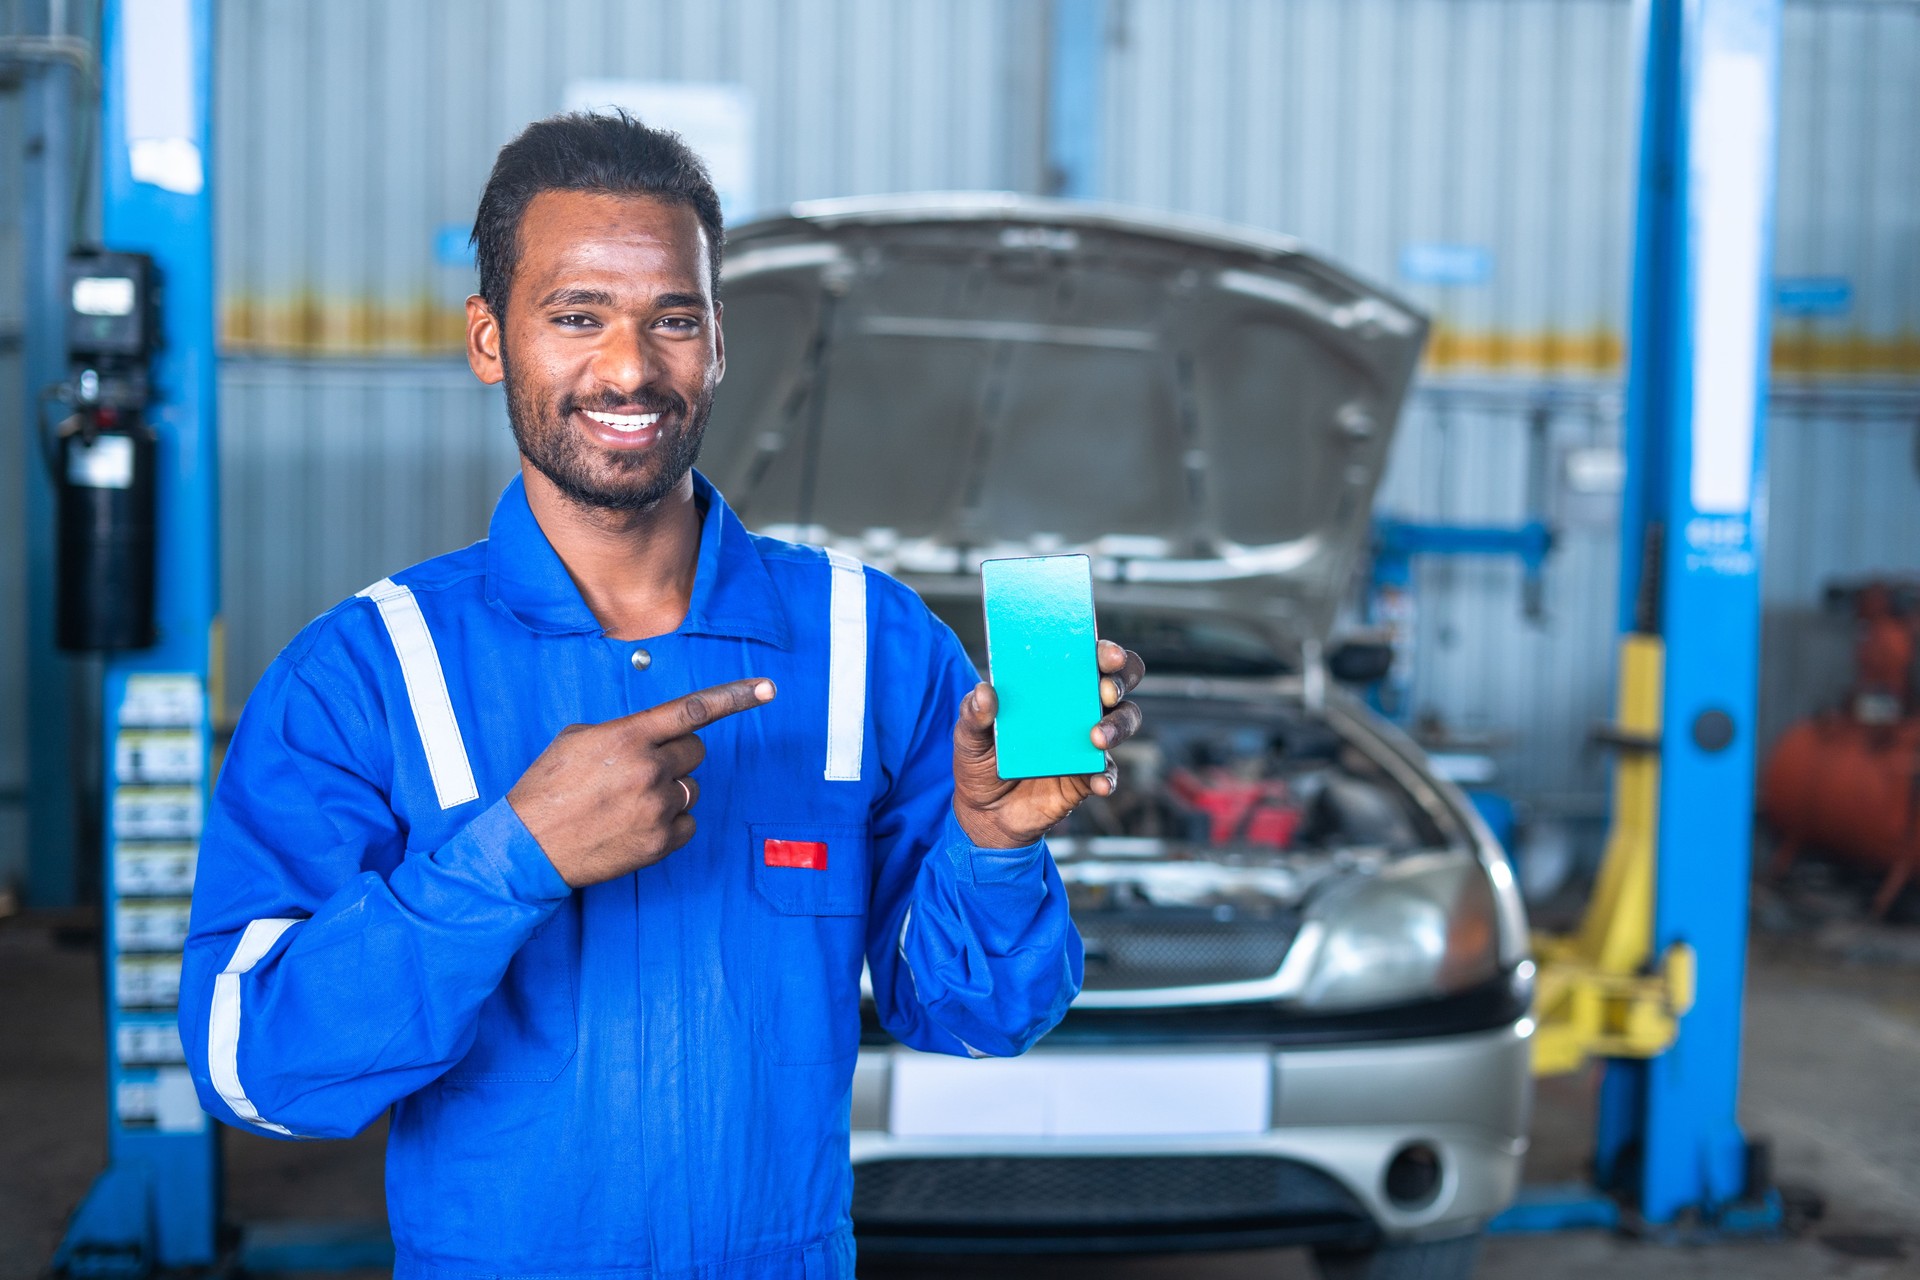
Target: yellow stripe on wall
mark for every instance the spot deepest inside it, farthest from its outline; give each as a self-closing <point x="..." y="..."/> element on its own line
<point x="1454" y="350"/>
<point x="309" y="325"/>
<point x="1851" y="355"/>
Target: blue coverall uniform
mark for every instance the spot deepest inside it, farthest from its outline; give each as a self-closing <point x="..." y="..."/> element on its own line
<point x="650" y="1077"/>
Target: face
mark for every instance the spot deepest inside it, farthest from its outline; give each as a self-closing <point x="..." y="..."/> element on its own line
<point x="611" y="345"/>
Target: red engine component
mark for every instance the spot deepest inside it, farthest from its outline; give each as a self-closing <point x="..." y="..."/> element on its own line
<point x="1847" y="782"/>
<point x="1239" y="810"/>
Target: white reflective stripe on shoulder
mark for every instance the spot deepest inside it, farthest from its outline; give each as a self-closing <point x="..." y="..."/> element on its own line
<point x="847" y="668"/>
<point x="223" y="1028"/>
<point x="427" y="692"/>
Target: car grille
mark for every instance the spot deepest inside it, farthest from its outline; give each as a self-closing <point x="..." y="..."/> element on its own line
<point x="1127" y="952"/>
<point x="1111" y="1194"/>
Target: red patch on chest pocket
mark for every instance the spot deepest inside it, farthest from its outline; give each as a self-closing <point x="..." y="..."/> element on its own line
<point x="810" y="855"/>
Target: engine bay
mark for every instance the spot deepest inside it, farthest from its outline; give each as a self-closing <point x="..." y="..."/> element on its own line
<point x="1233" y="808"/>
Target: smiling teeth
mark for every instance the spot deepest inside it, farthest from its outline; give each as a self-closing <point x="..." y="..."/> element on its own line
<point x="624" y="421"/>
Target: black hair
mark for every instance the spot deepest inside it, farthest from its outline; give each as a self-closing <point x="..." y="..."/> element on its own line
<point x="581" y="151"/>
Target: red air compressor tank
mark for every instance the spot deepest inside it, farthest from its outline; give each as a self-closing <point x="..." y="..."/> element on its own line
<point x="1847" y="782"/>
<point x="1847" y="789"/>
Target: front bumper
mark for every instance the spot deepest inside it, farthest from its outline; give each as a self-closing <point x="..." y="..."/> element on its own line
<point x="1318" y="1174"/>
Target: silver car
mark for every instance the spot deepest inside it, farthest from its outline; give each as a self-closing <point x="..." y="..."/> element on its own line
<point x="1305" y="1011"/>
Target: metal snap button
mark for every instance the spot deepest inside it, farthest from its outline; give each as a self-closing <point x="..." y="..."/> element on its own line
<point x="641" y="659"/>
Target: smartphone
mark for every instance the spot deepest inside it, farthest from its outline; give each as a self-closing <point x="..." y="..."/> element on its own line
<point x="1040" y="652"/>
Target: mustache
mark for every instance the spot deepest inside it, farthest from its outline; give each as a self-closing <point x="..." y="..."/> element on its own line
<point x="648" y="400"/>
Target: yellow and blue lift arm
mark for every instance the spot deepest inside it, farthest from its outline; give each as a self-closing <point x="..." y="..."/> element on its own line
<point x="1652" y="983"/>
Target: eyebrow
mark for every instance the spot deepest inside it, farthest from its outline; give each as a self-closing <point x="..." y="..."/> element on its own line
<point x="564" y="297"/>
<point x="576" y="297"/>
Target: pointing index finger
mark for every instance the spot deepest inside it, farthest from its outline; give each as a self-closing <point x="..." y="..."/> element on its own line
<point x="702" y="707"/>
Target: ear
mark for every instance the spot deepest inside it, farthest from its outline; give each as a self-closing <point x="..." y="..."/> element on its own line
<point x="719" y="342"/>
<point x="483" y="342"/>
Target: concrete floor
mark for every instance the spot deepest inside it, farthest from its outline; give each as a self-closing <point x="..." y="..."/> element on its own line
<point x="1832" y="1077"/>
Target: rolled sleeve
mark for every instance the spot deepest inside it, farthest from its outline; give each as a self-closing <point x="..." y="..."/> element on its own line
<point x="520" y="867"/>
<point x="978" y="865"/>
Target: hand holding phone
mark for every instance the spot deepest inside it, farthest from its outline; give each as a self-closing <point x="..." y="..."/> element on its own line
<point x="1023" y="762"/>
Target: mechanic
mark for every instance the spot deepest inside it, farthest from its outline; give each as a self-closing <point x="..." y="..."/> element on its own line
<point x="453" y="866"/>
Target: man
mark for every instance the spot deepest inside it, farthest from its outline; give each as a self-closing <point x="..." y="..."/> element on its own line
<point x="569" y="846"/>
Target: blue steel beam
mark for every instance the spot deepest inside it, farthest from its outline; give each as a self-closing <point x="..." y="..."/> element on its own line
<point x="1397" y="541"/>
<point x="1691" y="539"/>
<point x="1076" y="60"/>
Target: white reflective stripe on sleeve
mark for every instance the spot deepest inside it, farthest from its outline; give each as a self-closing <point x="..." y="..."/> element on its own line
<point x="902" y="949"/>
<point x="223" y="1028"/>
<point x="427" y="692"/>
<point x="847" y="669"/>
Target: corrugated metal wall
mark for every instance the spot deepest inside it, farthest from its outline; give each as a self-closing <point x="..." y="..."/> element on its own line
<point x="1844" y="490"/>
<point x="352" y="132"/>
<point x="1849" y="204"/>
<point x="1364" y="126"/>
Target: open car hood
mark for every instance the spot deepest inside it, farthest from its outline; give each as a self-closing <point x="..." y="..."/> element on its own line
<point x="927" y="381"/>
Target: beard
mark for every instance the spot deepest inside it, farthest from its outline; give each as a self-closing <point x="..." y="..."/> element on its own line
<point x="599" y="478"/>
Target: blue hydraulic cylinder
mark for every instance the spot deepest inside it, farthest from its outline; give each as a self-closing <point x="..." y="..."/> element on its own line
<point x="1692" y="528"/>
<point x="157" y="1205"/>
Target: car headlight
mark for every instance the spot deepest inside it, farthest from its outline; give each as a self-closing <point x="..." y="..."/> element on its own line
<point x="1421" y="927"/>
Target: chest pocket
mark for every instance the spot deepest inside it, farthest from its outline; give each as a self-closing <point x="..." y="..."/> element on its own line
<point x="810" y="880"/>
<point x="528" y="1028"/>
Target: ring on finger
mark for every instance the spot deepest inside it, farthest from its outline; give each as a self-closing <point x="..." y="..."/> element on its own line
<point x="686" y="795"/>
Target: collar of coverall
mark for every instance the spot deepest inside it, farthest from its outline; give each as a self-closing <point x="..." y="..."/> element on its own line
<point x="732" y="592"/>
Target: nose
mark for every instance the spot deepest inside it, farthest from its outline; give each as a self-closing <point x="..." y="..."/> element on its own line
<point x="622" y="360"/>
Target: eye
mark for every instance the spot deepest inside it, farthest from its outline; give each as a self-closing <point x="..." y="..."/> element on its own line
<point x="680" y="324"/>
<point x="573" y="320"/>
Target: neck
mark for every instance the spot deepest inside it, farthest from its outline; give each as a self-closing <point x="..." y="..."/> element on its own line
<point x="633" y="568"/>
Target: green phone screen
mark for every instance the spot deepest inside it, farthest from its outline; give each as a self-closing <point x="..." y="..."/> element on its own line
<point x="1040" y="649"/>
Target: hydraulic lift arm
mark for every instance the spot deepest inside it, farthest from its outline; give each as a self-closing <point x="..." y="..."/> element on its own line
<point x="1598" y="994"/>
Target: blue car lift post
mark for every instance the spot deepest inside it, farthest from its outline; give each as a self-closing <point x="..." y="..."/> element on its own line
<point x="157" y="1204"/>
<point x="1669" y="1148"/>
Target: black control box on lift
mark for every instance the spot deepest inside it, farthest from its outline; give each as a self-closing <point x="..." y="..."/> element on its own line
<point x="105" y="461"/>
